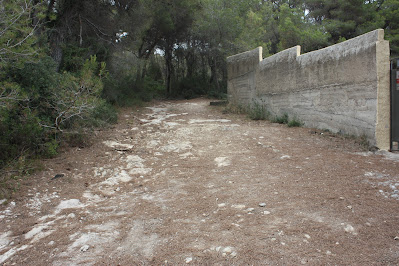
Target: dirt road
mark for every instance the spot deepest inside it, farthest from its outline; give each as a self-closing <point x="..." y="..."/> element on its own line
<point x="183" y="183"/>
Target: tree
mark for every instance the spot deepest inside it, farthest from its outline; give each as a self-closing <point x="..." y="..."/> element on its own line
<point x="389" y="10"/>
<point x="17" y="29"/>
<point x="87" y="24"/>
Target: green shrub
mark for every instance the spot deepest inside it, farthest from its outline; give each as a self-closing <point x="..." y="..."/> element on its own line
<point x="258" y="112"/>
<point x="126" y="90"/>
<point x="281" y="119"/>
<point x="294" y="123"/>
<point x="102" y="115"/>
<point x="51" y="148"/>
<point x="192" y="86"/>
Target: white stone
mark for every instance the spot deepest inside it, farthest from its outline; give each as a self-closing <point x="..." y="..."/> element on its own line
<point x="84" y="248"/>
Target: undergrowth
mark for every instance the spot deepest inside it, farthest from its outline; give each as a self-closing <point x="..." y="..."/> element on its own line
<point x="258" y="111"/>
<point x="281" y="119"/>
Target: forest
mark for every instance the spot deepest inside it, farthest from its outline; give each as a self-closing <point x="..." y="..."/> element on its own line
<point x="66" y="66"/>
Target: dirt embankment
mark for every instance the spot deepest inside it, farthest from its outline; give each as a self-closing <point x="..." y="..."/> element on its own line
<point x="183" y="183"/>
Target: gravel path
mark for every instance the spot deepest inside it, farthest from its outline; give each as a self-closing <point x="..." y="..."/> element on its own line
<point x="182" y="183"/>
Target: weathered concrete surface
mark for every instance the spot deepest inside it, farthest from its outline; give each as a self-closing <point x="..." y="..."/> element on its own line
<point x="241" y="71"/>
<point x="343" y="88"/>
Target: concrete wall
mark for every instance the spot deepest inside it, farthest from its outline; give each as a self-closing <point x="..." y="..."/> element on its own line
<point x="343" y="88"/>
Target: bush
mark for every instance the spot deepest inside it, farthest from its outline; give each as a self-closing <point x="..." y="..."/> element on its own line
<point x="281" y="119"/>
<point x="294" y="123"/>
<point x="191" y="86"/>
<point x="47" y="103"/>
<point x="258" y="112"/>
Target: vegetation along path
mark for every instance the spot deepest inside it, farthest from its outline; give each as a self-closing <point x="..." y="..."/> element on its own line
<point x="182" y="182"/>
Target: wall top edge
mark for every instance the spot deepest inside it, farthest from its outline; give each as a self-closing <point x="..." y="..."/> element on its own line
<point x="292" y="53"/>
<point x="359" y="41"/>
<point x="257" y="52"/>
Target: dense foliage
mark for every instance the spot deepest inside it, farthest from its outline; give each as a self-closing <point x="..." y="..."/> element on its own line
<point x="63" y="61"/>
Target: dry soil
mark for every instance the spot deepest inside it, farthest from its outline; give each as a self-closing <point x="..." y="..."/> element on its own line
<point x="181" y="182"/>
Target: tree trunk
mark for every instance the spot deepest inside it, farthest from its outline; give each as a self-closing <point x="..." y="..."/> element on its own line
<point x="214" y="77"/>
<point x="56" y="41"/>
<point x="169" y="69"/>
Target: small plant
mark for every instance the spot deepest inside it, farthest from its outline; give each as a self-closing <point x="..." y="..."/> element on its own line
<point x="294" y="123"/>
<point x="363" y="142"/>
<point x="258" y="112"/>
<point x="50" y="149"/>
<point x="281" y="119"/>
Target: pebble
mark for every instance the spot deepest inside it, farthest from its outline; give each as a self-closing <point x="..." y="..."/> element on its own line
<point x="262" y="204"/>
<point x="266" y="212"/>
<point x="221" y="205"/>
<point x="307" y="236"/>
<point x="349" y="229"/>
<point x="188" y="260"/>
<point x="396" y="238"/>
<point x="250" y="209"/>
<point x="84" y="248"/>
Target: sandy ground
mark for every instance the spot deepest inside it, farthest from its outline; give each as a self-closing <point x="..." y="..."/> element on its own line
<point x="182" y="183"/>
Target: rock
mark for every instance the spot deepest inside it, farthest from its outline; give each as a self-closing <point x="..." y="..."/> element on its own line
<point x="262" y="204"/>
<point x="84" y="248"/>
<point x="227" y="250"/>
<point x="188" y="260"/>
<point x="250" y="209"/>
<point x="396" y="238"/>
<point x="266" y="212"/>
<point x="57" y="176"/>
<point x="349" y="229"/>
<point x="71" y="215"/>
